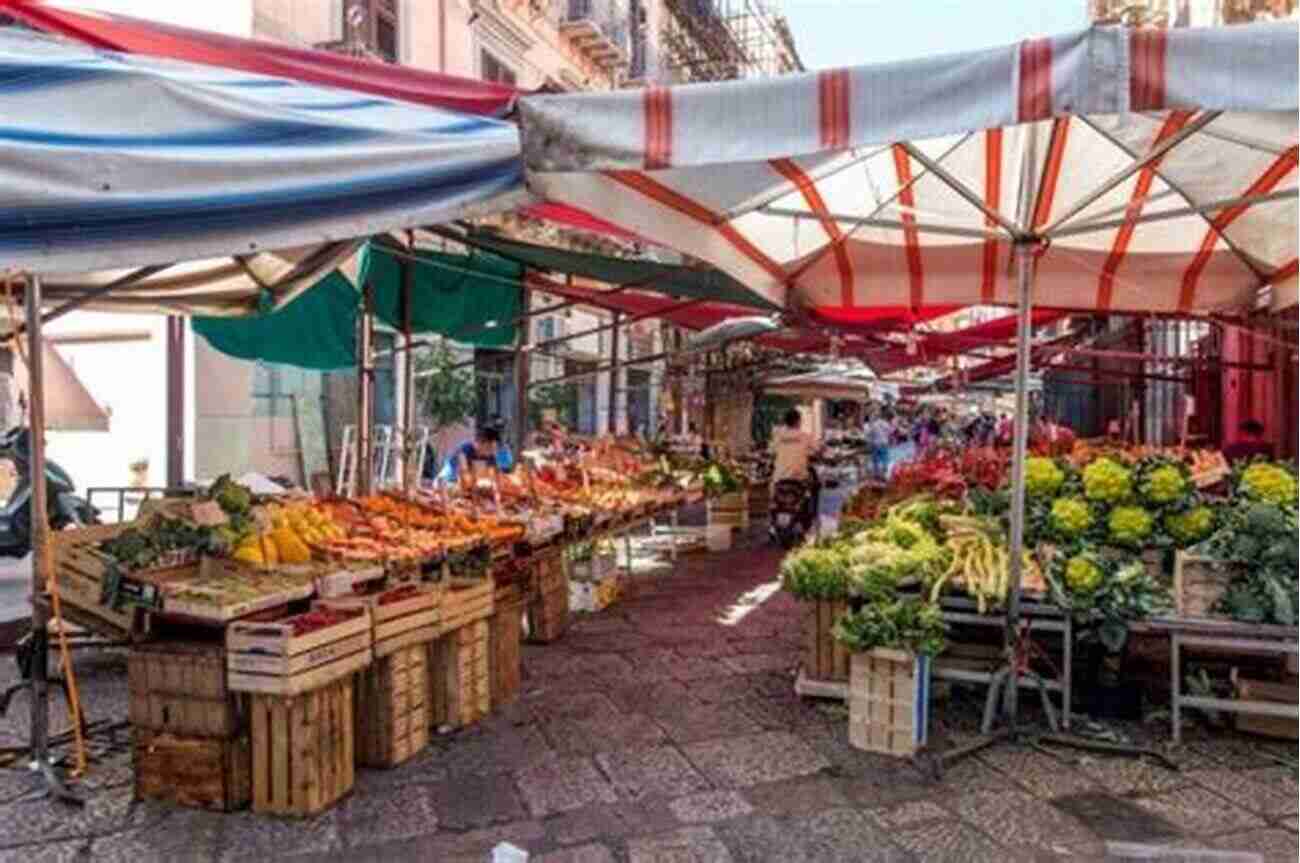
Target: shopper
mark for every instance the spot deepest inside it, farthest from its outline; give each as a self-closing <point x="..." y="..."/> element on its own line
<point x="880" y="434"/>
<point x="793" y="449"/>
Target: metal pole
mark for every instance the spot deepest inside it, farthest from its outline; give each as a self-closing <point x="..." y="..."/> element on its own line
<point x="408" y="381"/>
<point x="41" y="568"/>
<point x="176" y="400"/>
<point x="523" y="370"/>
<point x="613" y="374"/>
<point x="1024" y="279"/>
<point x="365" y="381"/>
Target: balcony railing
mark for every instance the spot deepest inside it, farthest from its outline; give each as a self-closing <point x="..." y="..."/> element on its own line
<point x="598" y="27"/>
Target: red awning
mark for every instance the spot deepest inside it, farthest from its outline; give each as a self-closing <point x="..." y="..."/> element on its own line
<point x="136" y="36"/>
<point x="994" y="333"/>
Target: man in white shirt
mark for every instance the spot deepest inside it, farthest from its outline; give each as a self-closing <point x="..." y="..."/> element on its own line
<point x="793" y="448"/>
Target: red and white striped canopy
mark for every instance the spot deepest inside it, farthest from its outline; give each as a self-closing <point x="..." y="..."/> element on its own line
<point x="1155" y="169"/>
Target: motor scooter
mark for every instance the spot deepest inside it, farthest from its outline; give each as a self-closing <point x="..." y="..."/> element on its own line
<point x="793" y="510"/>
<point x="63" y="507"/>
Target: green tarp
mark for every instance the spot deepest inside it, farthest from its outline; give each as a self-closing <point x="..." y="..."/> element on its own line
<point x="670" y="279"/>
<point x="451" y="295"/>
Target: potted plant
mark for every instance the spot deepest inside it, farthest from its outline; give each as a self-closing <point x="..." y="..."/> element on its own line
<point x="893" y="642"/>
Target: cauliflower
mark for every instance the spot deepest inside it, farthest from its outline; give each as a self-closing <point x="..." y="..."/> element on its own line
<point x="1190" y="527"/>
<point x="1269" y="482"/>
<point x="1107" y="481"/>
<point x="1165" y="484"/>
<point x="1129" y="525"/>
<point x="1043" y="478"/>
<point x="1082" y="574"/>
<point x="1070" y="516"/>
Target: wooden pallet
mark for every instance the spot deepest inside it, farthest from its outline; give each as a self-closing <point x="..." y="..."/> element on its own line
<point x="390" y="705"/>
<point x="201" y="772"/>
<point x="302" y="749"/>
<point x="824" y="657"/>
<point x="459" y="682"/>
<point x="889" y="706"/>
<point x="465" y="601"/>
<point x="180" y="687"/>
<point x="506" y="631"/>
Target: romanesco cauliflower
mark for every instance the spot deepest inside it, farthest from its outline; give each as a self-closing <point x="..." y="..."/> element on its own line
<point x="1043" y="478"/>
<point x="1071" y="516"/>
<point x="1107" y="481"/>
<point x="1129" y="525"/>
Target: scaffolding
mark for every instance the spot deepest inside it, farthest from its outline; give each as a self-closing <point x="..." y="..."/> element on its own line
<point x="719" y="40"/>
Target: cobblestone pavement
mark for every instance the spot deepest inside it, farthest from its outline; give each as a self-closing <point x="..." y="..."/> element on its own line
<point x="666" y="729"/>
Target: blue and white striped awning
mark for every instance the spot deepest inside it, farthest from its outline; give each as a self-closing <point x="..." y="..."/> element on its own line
<point x="121" y="161"/>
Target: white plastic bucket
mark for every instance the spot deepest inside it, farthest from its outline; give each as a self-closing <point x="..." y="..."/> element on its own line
<point x="718" y="537"/>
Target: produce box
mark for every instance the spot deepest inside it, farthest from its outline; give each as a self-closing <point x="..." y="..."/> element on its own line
<point x="1199" y="583"/>
<point x="302" y="749"/>
<point x="218" y="590"/>
<point x="824" y="658"/>
<point x="300" y="653"/>
<point x="731" y="509"/>
<point x="390" y="703"/>
<point x="347" y="581"/>
<point x="459" y="681"/>
<point x="1283" y="692"/>
<point x="505" y="632"/>
<point x="200" y="772"/>
<point x="405" y="615"/>
<point x="548" y="611"/>
<point x="889" y="701"/>
<point x="465" y="601"/>
<point x="180" y="687"/>
<point x="79" y="570"/>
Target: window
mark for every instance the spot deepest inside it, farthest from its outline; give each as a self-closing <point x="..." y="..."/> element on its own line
<point x="377" y="23"/>
<point x="492" y="69"/>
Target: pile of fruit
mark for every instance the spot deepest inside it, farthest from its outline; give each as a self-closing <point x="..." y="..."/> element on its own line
<point x="318" y="618"/>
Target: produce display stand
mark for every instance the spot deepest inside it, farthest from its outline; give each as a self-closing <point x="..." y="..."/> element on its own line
<point x="1222" y="636"/>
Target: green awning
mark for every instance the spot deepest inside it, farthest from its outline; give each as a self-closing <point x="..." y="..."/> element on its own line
<point x="452" y="295"/>
<point x="671" y="279"/>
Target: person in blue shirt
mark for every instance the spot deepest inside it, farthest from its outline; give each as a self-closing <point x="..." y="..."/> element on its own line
<point x="465" y="461"/>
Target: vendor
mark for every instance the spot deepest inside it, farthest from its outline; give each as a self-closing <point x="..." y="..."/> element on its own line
<point x="464" y="463"/>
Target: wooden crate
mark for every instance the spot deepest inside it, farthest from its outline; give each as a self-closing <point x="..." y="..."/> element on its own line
<point x="79" y="570"/>
<point x="1199" y="582"/>
<point x="180" y="687"/>
<point x="460" y="689"/>
<point x="464" y="601"/>
<point x="548" y="612"/>
<point x="731" y="509"/>
<point x="889" y="701"/>
<point x="390" y="704"/>
<point x="1284" y="692"/>
<point x="398" y="624"/>
<point x="824" y="658"/>
<point x="201" y="772"/>
<point x="302" y="748"/>
<point x="269" y="658"/>
<point x="506" y="631"/>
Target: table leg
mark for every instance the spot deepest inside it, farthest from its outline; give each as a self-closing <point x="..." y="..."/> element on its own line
<point x="1067" y="674"/>
<point x="673" y="522"/>
<point x="1175" y="686"/>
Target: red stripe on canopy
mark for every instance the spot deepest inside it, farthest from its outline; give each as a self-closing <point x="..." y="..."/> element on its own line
<point x="136" y="36"/>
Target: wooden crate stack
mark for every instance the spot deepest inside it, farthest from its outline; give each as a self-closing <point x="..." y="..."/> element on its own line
<point x="889" y="701"/>
<point x="730" y="509"/>
<point x="548" y="612"/>
<point x="392" y="696"/>
<point x="189" y="732"/>
<point x="460" y="690"/>
<point x="824" y="658"/>
<point x="79" y="570"/>
<point x="506" y="633"/>
<point x="301" y="712"/>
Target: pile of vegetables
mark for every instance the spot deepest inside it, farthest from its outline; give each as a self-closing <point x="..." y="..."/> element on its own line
<point x="157" y="539"/>
<point x="719" y="479"/>
<point x="909" y="624"/>
<point x="1105" y="593"/>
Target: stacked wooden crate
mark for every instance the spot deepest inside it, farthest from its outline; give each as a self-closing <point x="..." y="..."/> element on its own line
<point x="824" y="658"/>
<point x="548" y="612"/>
<point x="391" y="697"/>
<point x="731" y="509"/>
<point x="301" y="674"/>
<point x="189" y="731"/>
<point x="460" y="691"/>
<point x="889" y="701"/>
<point x="506" y="633"/>
<point x="80" y="570"/>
